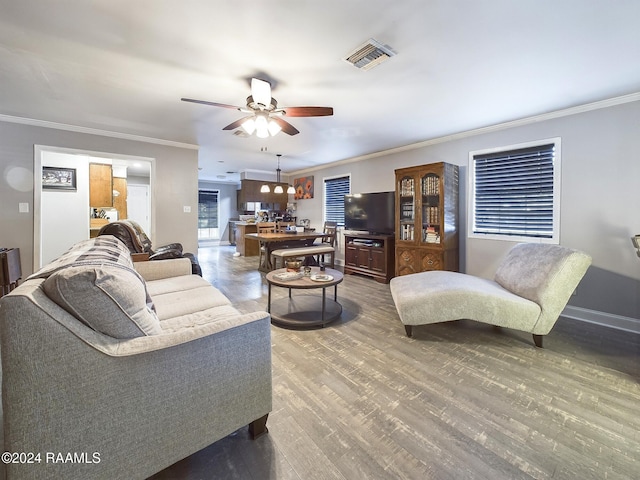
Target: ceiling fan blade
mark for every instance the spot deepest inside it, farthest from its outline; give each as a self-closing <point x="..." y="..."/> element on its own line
<point x="213" y="104"/>
<point x="261" y="91"/>
<point x="308" y="111"/>
<point x="237" y="123"/>
<point x="285" y="126"/>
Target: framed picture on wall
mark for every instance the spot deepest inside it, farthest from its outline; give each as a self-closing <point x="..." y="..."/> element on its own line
<point x="304" y="187"/>
<point x="58" y="178"/>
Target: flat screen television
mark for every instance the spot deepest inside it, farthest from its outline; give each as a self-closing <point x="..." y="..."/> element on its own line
<point x="370" y="212"/>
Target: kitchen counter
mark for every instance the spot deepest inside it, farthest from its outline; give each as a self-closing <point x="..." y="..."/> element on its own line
<point x="245" y="247"/>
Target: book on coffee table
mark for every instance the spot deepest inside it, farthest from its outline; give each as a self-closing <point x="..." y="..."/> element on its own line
<point x="287" y="276"/>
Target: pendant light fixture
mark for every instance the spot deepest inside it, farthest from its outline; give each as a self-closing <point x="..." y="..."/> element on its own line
<point x="278" y="188"/>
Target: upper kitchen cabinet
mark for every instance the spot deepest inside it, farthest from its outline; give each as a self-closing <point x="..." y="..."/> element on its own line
<point x="250" y="192"/>
<point x="100" y="185"/>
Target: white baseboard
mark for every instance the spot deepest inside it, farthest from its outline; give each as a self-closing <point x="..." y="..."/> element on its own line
<point x="611" y="320"/>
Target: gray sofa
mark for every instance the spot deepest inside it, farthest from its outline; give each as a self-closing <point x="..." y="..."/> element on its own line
<point x="115" y="371"/>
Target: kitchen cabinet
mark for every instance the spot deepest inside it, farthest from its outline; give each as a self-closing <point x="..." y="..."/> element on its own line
<point x="120" y="200"/>
<point x="250" y="192"/>
<point x="246" y="247"/>
<point x="100" y="185"/>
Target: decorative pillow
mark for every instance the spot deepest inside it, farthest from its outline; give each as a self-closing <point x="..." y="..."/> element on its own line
<point x="109" y="298"/>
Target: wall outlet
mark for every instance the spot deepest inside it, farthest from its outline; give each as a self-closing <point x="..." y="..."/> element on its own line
<point x="186" y="209"/>
<point x="23" y="207"/>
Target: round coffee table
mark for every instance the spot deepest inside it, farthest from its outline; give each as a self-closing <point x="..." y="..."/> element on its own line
<point x="302" y="311"/>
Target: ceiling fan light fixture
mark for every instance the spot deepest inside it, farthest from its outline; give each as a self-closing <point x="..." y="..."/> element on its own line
<point x="249" y="126"/>
<point x="278" y="189"/>
<point x="291" y="191"/>
<point x="267" y="117"/>
<point x="262" y="126"/>
<point x="274" y="128"/>
<point x="265" y="188"/>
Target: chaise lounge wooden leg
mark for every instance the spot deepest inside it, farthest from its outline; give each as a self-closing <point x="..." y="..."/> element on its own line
<point x="537" y="339"/>
<point x="409" y="330"/>
<point x="258" y="427"/>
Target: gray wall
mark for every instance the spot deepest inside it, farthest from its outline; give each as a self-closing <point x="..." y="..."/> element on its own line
<point x="599" y="211"/>
<point x="176" y="184"/>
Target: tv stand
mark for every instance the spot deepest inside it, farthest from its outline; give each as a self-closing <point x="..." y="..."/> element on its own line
<point x="369" y="254"/>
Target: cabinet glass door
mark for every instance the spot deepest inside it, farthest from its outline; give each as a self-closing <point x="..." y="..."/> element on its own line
<point x="407" y="205"/>
<point x="430" y="213"/>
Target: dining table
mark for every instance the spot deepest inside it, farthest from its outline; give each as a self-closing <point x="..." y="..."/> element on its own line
<point x="274" y="241"/>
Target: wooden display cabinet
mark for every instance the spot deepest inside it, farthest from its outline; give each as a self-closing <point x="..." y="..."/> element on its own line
<point x="370" y="255"/>
<point x="427" y="218"/>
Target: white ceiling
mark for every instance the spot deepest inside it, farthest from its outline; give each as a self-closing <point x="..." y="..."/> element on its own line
<point x="122" y="66"/>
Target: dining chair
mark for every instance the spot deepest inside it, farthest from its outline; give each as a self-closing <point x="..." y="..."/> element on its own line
<point x="284" y="226"/>
<point x="330" y="230"/>
<point x="264" y="227"/>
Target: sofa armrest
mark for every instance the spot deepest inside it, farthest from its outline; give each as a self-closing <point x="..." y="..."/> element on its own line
<point x="159" y="269"/>
<point x="141" y="345"/>
<point x="173" y="247"/>
<point x="166" y="254"/>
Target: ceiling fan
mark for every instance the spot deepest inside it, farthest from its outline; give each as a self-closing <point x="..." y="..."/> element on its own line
<point x="266" y="118"/>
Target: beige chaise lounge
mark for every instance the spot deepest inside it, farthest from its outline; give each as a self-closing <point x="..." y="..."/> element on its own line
<point x="102" y="387"/>
<point x="531" y="287"/>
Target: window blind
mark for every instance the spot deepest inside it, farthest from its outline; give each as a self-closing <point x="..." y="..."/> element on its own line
<point x="514" y="192"/>
<point x="207" y="209"/>
<point x="334" y="191"/>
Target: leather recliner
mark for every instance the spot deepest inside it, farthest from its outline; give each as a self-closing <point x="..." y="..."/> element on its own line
<point x="132" y="235"/>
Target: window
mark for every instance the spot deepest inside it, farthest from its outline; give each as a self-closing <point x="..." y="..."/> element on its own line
<point x="208" y="214"/>
<point x="515" y="192"/>
<point x="334" y="191"/>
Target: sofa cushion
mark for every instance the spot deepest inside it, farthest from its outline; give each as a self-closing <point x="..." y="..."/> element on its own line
<point x="219" y="314"/>
<point x="109" y="298"/>
<point x="184" y="295"/>
<point x="175" y="284"/>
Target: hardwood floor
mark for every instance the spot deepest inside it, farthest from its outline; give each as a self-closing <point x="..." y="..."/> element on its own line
<point x="359" y="400"/>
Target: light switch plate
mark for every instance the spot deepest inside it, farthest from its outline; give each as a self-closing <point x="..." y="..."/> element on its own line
<point x="186" y="209"/>
<point x="23" y="207"/>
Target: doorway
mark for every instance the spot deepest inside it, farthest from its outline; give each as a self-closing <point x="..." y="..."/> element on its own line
<point x="61" y="217"/>
<point x="139" y="205"/>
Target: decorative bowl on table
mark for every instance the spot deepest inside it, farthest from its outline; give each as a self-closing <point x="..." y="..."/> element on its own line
<point x="293" y="264"/>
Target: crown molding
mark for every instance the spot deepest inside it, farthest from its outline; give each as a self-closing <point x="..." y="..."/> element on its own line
<point x="95" y="131"/>
<point x="611" y="102"/>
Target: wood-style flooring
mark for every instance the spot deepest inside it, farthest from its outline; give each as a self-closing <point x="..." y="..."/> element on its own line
<point x="461" y="400"/>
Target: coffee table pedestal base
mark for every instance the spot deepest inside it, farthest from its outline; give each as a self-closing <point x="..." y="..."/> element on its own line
<point x="302" y="311"/>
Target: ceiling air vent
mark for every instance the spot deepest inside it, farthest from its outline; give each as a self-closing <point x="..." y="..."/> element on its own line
<point x="369" y="55"/>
